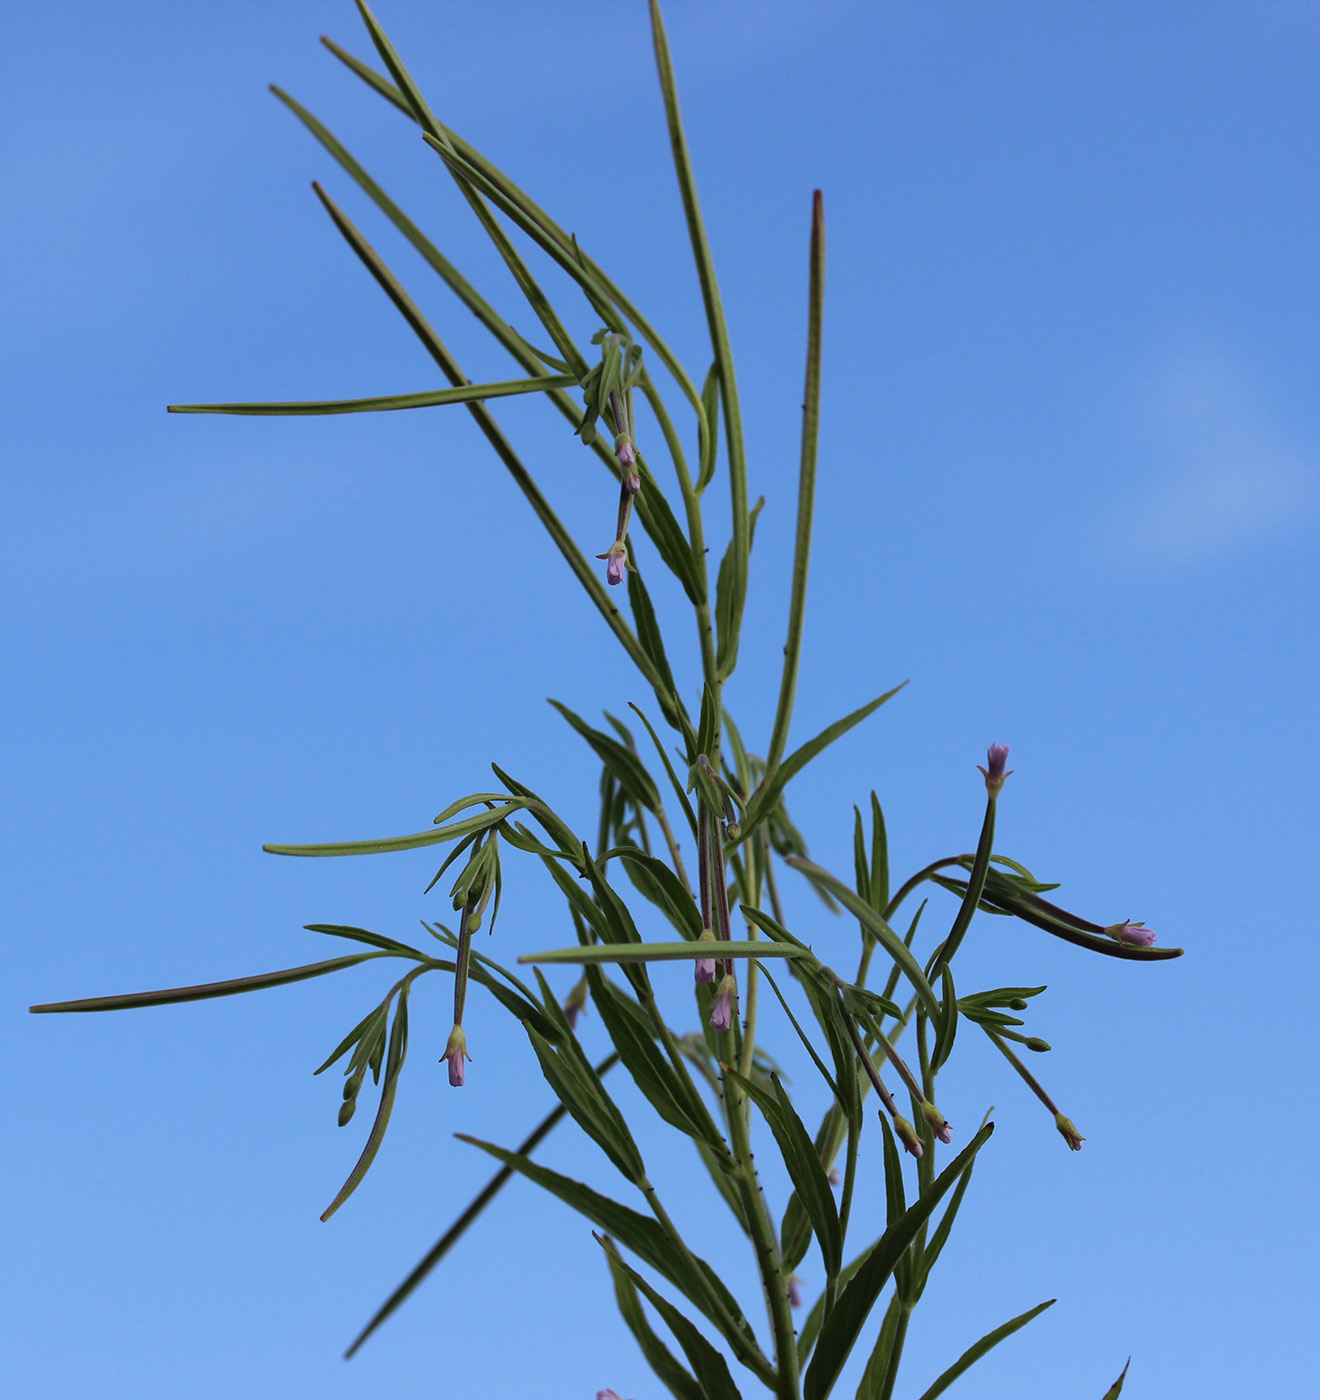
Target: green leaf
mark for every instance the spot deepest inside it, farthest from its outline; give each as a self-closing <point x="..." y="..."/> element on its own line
<point x="386" y="403"/>
<point x="946" y="1027"/>
<point x="581" y="1092"/>
<point x="879" y="858"/>
<point x="662" y="952"/>
<point x="844" y="1324"/>
<point x="669" y="1093"/>
<point x="766" y="798"/>
<point x="398" y="1050"/>
<point x="658" y="1356"/>
<point x="711" y="1369"/>
<point x="635" y="1232"/>
<point x="875" y="924"/>
<point x="460" y="1226"/>
<point x="708" y="426"/>
<point x="973" y="1354"/>
<point x="622" y="763"/>
<point x="658" y="883"/>
<point x="803" y="1164"/>
<point x="691" y="739"/>
<point x="1116" y="1389"/>
<point x="208" y="989"/>
<point x="452" y="832"/>
<point x="877" y="1365"/>
<point x="362" y="935"/>
<point x="652" y="642"/>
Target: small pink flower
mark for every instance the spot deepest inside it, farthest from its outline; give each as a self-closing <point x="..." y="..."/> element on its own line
<point x="794" y="1291"/>
<point x="833" y="1176"/>
<point x="616" y="562"/>
<point x="606" y="1395"/>
<point x="456" y="1053"/>
<point x="996" y="756"/>
<point x="1138" y="935"/>
<point x="726" y="999"/>
<point x="705" y="968"/>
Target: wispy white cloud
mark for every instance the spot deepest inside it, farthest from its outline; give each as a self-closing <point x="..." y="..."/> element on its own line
<point x="1224" y="474"/>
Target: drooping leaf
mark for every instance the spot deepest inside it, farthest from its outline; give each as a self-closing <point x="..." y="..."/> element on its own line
<point x="480" y="822"/>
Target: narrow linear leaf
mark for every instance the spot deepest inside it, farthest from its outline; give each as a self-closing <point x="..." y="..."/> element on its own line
<point x="876" y="925"/>
<point x="403" y="843"/>
<point x="398" y="1050"/>
<point x="661" y="952"/>
<point x="766" y="799"/>
<point x="841" y="1329"/>
<point x="479" y="1202"/>
<point x="661" y="1360"/>
<point x="208" y="989"/>
<point x="362" y="935"/>
<point x="385" y="403"/>
<point x="973" y="1354"/>
<point x="711" y="1369"/>
<point x="1116" y="1389"/>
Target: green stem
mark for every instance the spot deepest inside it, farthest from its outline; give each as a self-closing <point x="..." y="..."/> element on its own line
<point x="806" y="491"/>
<point x="719" y="337"/>
<point x="773" y="1280"/>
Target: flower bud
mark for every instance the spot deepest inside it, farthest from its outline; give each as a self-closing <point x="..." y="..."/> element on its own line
<point x="907" y="1135"/>
<point x="616" y="562"/>
<point x="456" y="1053"/>
<point x="726" y="1001"/>
<point x="833" y="1176"/>
<point x="1135" y="935"/>
<point x="705" y="968"/>
<point x="938" y="1124"/>
<point x="996" y="756"/>
<point x="1068" y="1128"/>
<point x="794" y="1291"/>
<point x="1034" y="1042"/>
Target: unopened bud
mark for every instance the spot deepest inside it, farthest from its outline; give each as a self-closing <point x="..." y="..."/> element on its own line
<point x="794" y="1291"/>
<point x="907" y="1135"/>
<point x="705" y="967"/>
<point x="1034" y="1042"/>
<point x="346" y="1111"/>
<point x="938" y="1124"/>
<point x="1135" y="935"/>
<point x="576" y="1003"/>
<point x="833" y="1176"/>
<point x="996" y="756"/>
<point x="1017" y="1004"/>
<point x="456" y="1053"/>
<point x="1068" y="1128"/>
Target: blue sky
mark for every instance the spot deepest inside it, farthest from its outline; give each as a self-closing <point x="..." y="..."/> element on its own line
<point x="1070" y="487"/>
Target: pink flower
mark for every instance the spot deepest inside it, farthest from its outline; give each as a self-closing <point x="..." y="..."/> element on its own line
<point x="1068" y="1129"/>
<point x="456" y="1053"/>
<point x="907" y="1135"/>
<point x="721" y="1014"/>
<point x="1138" y="935"/>
<point x="996" y="756"/>
<point x="705" y="968"/>
<point x="938" y="1124"/>
<point x="794" y="1291"/>
<point x="606" y="1395"/>
<point x="616" y="562"/>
